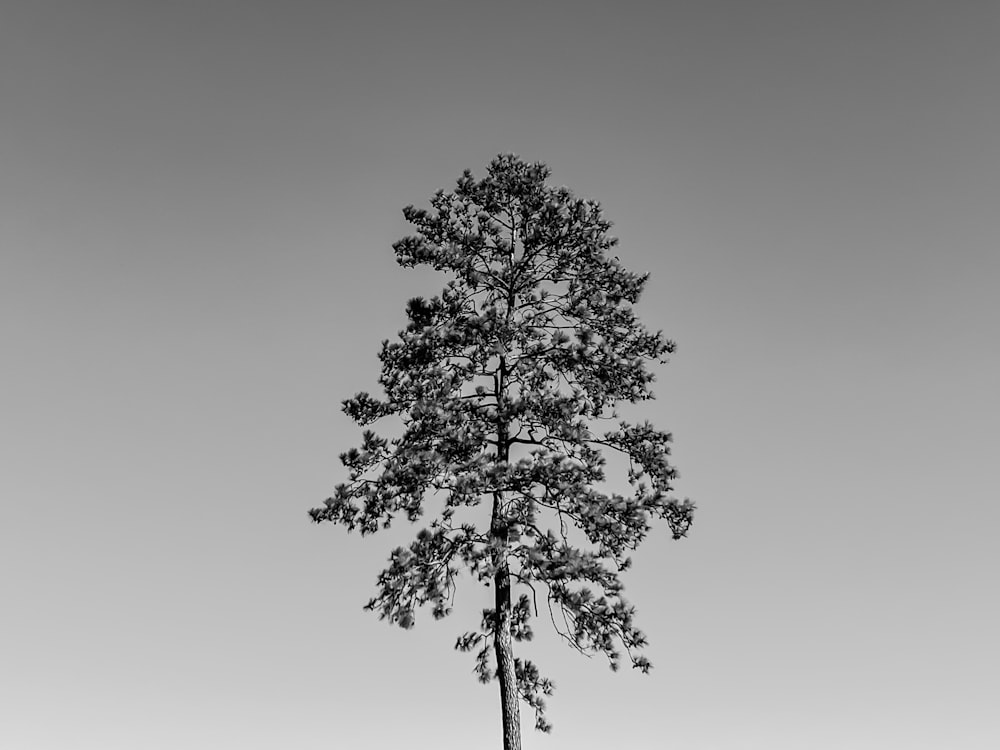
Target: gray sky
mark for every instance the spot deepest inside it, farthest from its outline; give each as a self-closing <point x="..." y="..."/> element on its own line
<point x="197" y="202"/>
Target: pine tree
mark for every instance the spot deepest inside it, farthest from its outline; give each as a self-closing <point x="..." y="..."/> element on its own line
<point x="506" y="385"/>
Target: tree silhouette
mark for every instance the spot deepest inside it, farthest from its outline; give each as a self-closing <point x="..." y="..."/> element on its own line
<point x="506" y="386"/>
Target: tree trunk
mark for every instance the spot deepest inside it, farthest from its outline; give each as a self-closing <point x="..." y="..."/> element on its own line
<point x="505" y="662"/>
<point x="506" y="673"/>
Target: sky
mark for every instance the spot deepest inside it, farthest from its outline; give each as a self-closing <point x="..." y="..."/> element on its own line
<point x="197" y="206"/>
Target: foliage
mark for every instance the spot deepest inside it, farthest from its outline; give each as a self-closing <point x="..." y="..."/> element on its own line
<point x="506" y="386"/>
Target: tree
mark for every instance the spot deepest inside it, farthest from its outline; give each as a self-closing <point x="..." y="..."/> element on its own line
<point x="501" y="384"/>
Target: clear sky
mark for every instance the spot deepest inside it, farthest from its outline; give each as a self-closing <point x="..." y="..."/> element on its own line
<point x="197" y="203"/>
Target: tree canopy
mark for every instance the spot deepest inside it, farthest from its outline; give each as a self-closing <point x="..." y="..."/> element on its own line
<point x="506" y="386"/>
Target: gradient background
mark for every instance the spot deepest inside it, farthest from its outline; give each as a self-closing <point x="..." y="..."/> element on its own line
<point x="197" y="201"/>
